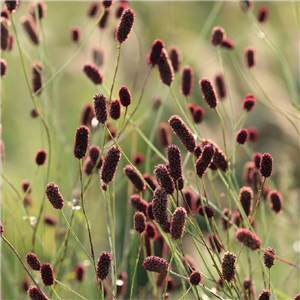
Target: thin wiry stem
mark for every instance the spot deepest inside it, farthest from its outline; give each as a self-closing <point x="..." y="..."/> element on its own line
<point x="66" y="287"/>
<point x="52" y="288"/>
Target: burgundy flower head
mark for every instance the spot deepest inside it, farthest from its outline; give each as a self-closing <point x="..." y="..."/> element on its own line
<point x="266" y="165"/>
<point x="242" y="136"/>
<point x="262" y="14"/>
<point x="164" y="135"/>
<point x="125" y="96"/>
<point x="36" y="77"/>
<point x="139" y="222"/>
<point x="175" y="57"/>
<point x="3" y="67"/>
<point x="149" y="211"/>
<point x="88" y="166"/>
<point x="125" y="25"/>
<point x="79" y="272"/>
<point x="1" y="228"/>
<point x="50" y="220"/>
<point x="40" y="157"/>
<point x="35" y="294"/>
<point x="209" y="211"/>
<point x="217" y="35"/>
<point x="248" y="238"/>
<point x="276" y="201"/>
<point x="134" y="178"/>
<point x="183" y="132"/>
<point x="165" y="69"/>
<point x="5" y="24"/>
<point x="187" y="80"/>
<point x="25" y="186"/>
<point x="115" y="109"/>
<point x="138" y="159"/>
<point x="249" y="102"/>
<point x="5" y="13"/>
<point x="246" y="199"/>
<point x="93" y="9"/>
<point x="228" y="266"/>
<point x="195" y="277"/>
<point x="103" y="265"/>
<point x="264" y="295"/>
<point x="75" y="34"/>
<point x="174" y="162"/>
<point x="98" y="56"/>
<point x="54" y="196"/>
<point x="87" y="115"/>
<point x="110" y="164"/>
<point x="100" y="107"/>
<point x="205" y="160"/>
<point x="221" y="89"/>
<point x="93" y="73"/>
<point x="33" y="261"/>
<point x="269" y="258"/>
<point x="256" y="158"/>
<point x="120" y="8"/>
<point x="227" y="44"/>
<point x="250" y="57"/>
<point x="81" y="143"/>
<point x="47" y="274"/>
<point x="246" y="5"/>
<point x="163" y="178"/>
<point x="41" y="9"/>
<point x="160" y="206"/>
<point x="253" y="134"/>
<point x="155" y="264"/>
<point x="138" y="203"/>
<point x="103" y="22"/>
<point x="29" y="26"/>
<point x="150" y="231"/>
<point x="155" y="52"/>
<point x="151" y="181"/>
<point x="94" y="154"/>
<point x="178" y="223"/>
<point x="11" y="5"/>
<point x="297" y="297"/>
<point x="208" y="92"/>
<point x="226" y="223"/>
<point x="215" y="243"/>
<point x="107" y="3"/>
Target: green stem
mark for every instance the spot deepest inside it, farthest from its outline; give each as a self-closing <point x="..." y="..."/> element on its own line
<point x="258" y="200"/>
<point x="52" y="288"/>
<point x="115" y="74"/>
<point x="223" y="129"/>
<point x="66" y="287"/>
<point x="168" y="274"/>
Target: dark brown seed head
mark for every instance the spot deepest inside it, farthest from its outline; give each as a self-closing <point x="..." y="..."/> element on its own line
<point x="269" y="257"/>
<point x="150" y="230"/>
<point x="214" y="243"/>
<point x="139" y="222"/>
<point x="138" y="203"/>
<point x="183" y="132"/>
<point x="250" y="57"/>
<point x="226" y="223"/>
<point x="33" y="261"/>
<point x="256" y="158"/>
<point x="115" y="109"/>
<point x="155" y="52"/>
<point x="40" y="157"/>
<point x="125" y="25"/>
<point x="47" y="274"/>
<point x="221" y="89"/>
<point x="165" y="69"/>
<point x="5" y="24"/>
<point x="107" y="3"/>
<point x="11" y="5"/>
<point x="248" y="238"/>
<point x="198" y="114"/>
<point x="138" y="159"/>
<point x="151" y="181"/>
<point x="195" y="277"/>
<point x="87" y="115"/>
<point x="25" y="186"/>
<point x="3" y="67"/>
<point x="155" y="264"/>
<point x="41" y="9"/>
<point x="29" y="26"/>
<point x="93" y="9"/>
<point x="187" y="80"/>
<point x="120" y="8"/>
<point x="246" y="198"/>
<point x="220" y="160"/>
<point x="134" y="178"/>
<point x="100" y="107"/>
<point x="246" y="5"/>
<point x="79" y="272"/>
<point x="125" y="96"/>
<point x="25" y="284"/>
<point x="50" y="220"/>
<point x="110" y="164"/>
<point x="5" y="13"/>
<point x="36" y="77"/>
<point x="253" y="134"/>
<point x="93" y="73"/>
<point x="11" y="42"/>
<point x="175" y="57"/>
<point x="159" y="202"/>
<point x="54" y="196"/>
<point x="103" y="265"/>
<point x="208" y="211"/>
<point x="178" y="223"/>
<point x="217" y="35"/>
<point x="88" y="166"/>
<point x="75" y="34"/>
<point x="149" y="211"/>
<point x="266" y="165"/>
<point x="35" y="294"/>
<point x="103" y="21"/>
<point x="276" y="201"/>
<point x="94" y="153"/>
<point x="242" y="136"/>
<point x="262" y="14"/>
<point x="174" y="162"/>
<point x="208" y="92"/>
<point x="297" y="297"/>
<point x="98" y="56"/>
<point x="189" y="201"/>
<point x="249" y="102"/>
<point x="204" y="160"/>
<point x="164" y="135"/>
<point x="163" y="178"/>
<point x="264" y="295"/>
<point x="81" y="143"/>
<point x="228" y="266"/>
<point x="227" y="44"/>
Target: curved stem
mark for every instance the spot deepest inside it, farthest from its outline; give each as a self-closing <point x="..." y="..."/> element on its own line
<point x="223" y="129"/>
<point x="66" y="287"/>
<point x="115" y="74"/>
<point x="52" y="288"/>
